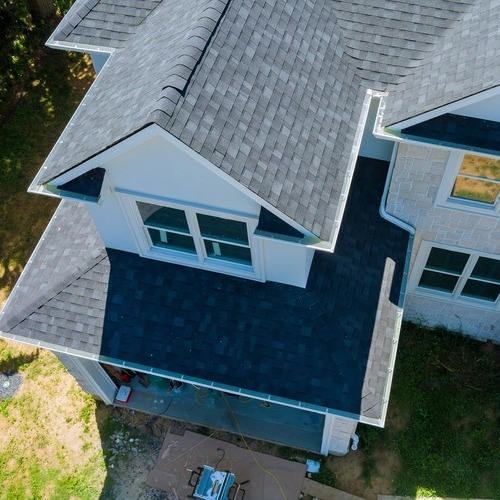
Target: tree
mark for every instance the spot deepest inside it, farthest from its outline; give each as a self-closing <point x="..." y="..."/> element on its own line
<point x="41" y="10"/>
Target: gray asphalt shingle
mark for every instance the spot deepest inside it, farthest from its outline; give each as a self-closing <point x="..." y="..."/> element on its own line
<point x="462" y="64"/>
<point x="271" y="92"/>
<point x="102" y="24"/>
<point x="328" y="344"/>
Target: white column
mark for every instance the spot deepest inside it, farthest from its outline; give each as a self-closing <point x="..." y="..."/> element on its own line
<point x="337" y="433"/>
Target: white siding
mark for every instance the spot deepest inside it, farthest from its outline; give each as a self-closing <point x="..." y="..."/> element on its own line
<point x="98" y="60"/>
<point x="287" y="263"/>
<point x="417" y="177"/>
<point x="158" y="169"/>
<point x="337" y="434"/>
<point x="487" y="109"/>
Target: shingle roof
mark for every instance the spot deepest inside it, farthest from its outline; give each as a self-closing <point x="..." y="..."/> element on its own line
<point x="271" y="92"/>
<point x="329" y="344"/>
<point x="103" y="24"/>
<point x="389" y="40"/>
<point x="463" y="63"/>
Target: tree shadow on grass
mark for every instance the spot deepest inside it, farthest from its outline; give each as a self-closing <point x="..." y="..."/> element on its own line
<point x="49" y="97"/>
<point x="12" y="364"/>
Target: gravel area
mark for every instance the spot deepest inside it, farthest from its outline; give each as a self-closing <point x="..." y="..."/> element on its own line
<point x="9" y="384"/>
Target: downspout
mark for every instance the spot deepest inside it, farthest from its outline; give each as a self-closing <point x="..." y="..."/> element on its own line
<point x="383" y="213"/>
<point x="398" y="222"/>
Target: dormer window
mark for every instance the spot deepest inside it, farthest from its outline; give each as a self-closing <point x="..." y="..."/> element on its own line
<point x="224" y="239"/>
<point x="196" y="237"/>
<point x="167" y="227"/>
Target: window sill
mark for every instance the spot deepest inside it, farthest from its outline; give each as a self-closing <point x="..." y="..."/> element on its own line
<point x="213" y="265"/>
<point x="469" y="207"/>
<point x="460" y="301"/>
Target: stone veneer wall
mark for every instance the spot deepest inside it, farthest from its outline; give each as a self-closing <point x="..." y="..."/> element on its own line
<point x="416" y="179"/>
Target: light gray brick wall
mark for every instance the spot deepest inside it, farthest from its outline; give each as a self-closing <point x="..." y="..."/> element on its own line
<point x="417" y="176"/>
<point x="479" y="323"/>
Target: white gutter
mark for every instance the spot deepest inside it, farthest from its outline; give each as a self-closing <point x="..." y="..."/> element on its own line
<point x="238" y="391"/>
<point x="346" y="186"/>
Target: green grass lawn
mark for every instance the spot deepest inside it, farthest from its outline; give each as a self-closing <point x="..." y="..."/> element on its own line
<point x="446" y="397"/>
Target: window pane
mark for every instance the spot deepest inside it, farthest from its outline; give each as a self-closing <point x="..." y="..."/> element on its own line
<point x="438" y="281"/>
<point x="165" y="239"/>
<point x="446" y="260"/>
<point x="163" y="217"/>
<point x="475" y="190"/>
<point x="478" y="188"/>
<point x="480" y="166"/>
<point x="487" y="268"/>
<point x="222" y="229"/>
<point x="224" y="251"/>
<point x="481" y="290"/>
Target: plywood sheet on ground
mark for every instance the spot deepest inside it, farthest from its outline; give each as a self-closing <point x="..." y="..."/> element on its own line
<point x="182" y="454"/>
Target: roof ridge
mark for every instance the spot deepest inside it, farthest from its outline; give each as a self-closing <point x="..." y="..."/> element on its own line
<point x="179" y="76"/>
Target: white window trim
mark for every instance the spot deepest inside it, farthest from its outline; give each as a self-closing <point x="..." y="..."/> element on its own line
<point x="455" y="297"/>
<point x="200" y="259"/>
<point x="444" y="198"/>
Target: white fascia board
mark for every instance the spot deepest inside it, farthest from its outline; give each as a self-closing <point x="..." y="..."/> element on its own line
<point x="36" y="186"/>
<point x="79" y="47"/>
<point x="96" y="161"/>
<point x="139" y="137"/>
<point x="381" y="132"/>
<point x="448" y="108"/>
<point x="155" y="130"/>
<point x="370" y="94"/>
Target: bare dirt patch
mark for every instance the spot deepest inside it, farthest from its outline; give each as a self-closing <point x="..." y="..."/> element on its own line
<point x="349" y="471"/>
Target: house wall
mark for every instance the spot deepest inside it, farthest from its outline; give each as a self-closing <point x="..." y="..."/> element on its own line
<point x="90" y="376"/>
<point x="337" y="434"/>
<point x="98" y="60"/>
<point x="159" y="169"/>
<point x="418" y="174"/>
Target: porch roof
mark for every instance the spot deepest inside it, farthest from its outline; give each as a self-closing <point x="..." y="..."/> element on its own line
<point x="329" y="345"/>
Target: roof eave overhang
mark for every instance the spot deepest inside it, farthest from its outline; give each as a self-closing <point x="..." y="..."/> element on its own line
<point x="395" y="127"/>
<point x="79" y="47"/>
<point x="182" y="378"/>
